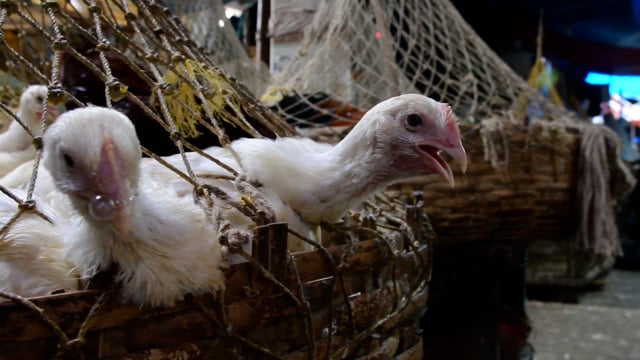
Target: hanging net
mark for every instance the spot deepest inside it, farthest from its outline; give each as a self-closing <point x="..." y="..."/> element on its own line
<point x="166" y="69"/>
<point x="212" y="31"/>
<point x="363" y="51"/>
<point x="357" y="52"/>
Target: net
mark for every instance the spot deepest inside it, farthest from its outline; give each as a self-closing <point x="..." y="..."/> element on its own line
<point x="364" y="51"/>
<point x="212" y="31"/>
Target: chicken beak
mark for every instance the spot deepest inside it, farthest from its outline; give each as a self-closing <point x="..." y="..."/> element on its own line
<point x="114" y="193"/>
<point x="459" y="155"/>
<point x="447" y="174"/>
<point x="430" y="153"/>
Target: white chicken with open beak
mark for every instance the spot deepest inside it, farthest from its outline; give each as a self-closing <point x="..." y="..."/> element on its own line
<point x="398" y="138"/>
<point x="307" y="183"/>
<point x="15" y="143"/>
<point x="162" y="246"/>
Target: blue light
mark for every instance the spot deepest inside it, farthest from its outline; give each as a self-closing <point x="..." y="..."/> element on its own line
<point x="594" y="78"/>
<point x="627" y="86"/>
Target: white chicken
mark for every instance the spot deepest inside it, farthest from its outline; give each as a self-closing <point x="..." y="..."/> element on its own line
<point x="162" y="246"/>
<point x="307" y="183"/>
<point x="16" y="143"/>
<point x="31" y="251"/>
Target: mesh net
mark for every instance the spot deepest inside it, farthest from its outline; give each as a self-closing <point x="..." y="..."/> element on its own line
<point x="136" y="57"/>
<point x="211" y="31"/>
<point x="364" y="51"/>
<point x="357" y="52"/>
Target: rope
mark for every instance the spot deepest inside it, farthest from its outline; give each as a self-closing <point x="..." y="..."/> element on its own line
<point x="597" y="231"/>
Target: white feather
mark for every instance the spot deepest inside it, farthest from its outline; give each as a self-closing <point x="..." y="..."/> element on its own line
<point x="305" y="182"/>
<point x="32" y="251"/>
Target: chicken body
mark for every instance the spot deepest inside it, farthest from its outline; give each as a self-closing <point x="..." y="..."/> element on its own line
<point x="16" y="143"/>
<point x="398" y="138"/>
<point x="32" y="251"/>
<point x="161" y="245"/>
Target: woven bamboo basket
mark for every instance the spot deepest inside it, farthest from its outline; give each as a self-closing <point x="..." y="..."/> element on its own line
<point x="562" y="263"/>
<point x="531" y="197"/>
<point x="359" y="300"/>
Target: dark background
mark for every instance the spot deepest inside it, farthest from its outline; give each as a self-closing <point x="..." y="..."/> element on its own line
<point x="579" y="36"/>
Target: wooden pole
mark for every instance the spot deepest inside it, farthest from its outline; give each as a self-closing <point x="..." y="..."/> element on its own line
<point x="262" y="28"/>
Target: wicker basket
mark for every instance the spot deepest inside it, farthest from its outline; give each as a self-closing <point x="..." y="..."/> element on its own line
<point x="361" y="300"/>
<point x="531" y="197"/>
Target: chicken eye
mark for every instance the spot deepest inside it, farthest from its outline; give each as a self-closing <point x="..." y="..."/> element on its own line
<point x="413" y="121"/>
<point x="68" y="160"/>
<point x="39" y="98"/>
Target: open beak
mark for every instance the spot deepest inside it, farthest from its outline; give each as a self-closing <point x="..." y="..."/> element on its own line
<point x="459" y="155"/>
<point x="453" y="141"/>
<point x="114" y="194"/>
<point x="434" y="160"/>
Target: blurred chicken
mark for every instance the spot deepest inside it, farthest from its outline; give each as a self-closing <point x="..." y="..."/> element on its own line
<point x="31" y="251"/>
<point x="161" y="246"/>
<point x="16" y="144"/>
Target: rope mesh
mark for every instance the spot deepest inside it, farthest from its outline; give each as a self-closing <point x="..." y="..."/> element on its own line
<point x="363" y="51"/>
<point x="212" y="31"/>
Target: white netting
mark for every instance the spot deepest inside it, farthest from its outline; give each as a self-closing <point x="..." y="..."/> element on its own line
<point x="364" y="51"/>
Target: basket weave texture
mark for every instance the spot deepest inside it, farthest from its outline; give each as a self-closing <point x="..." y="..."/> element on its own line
<point x="530" y="195"/>
<point x="361" y="300"/>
